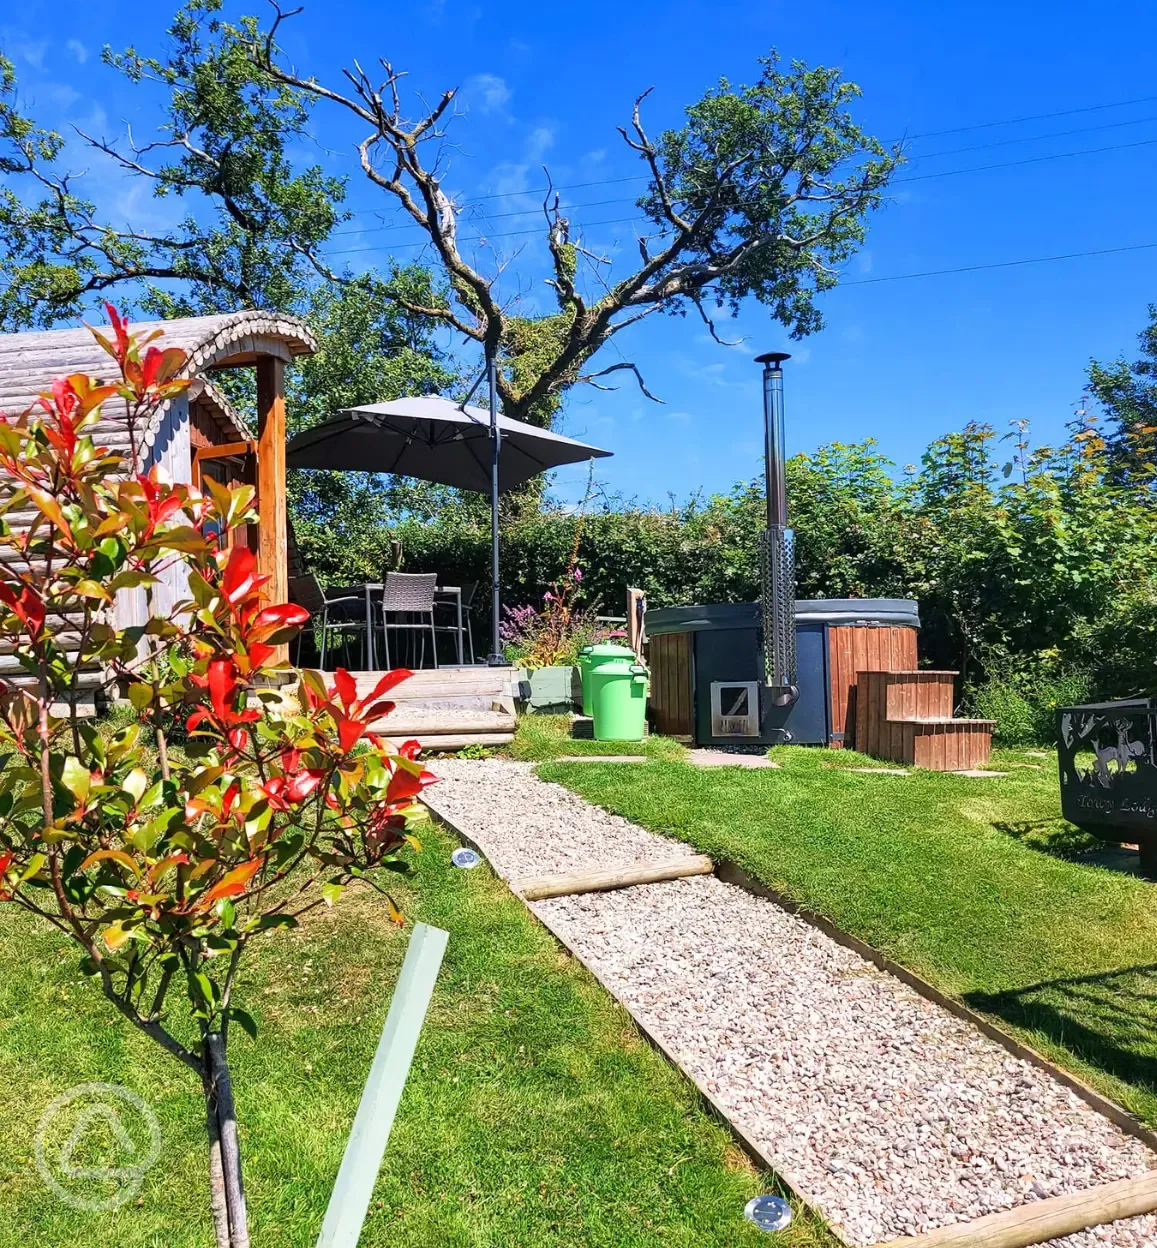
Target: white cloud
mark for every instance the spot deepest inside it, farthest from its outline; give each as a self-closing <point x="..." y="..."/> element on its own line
<point x="539" y="142"/>
<point x="31" y="51"/>
<point x="78" y="50"/>
<point x="489" y="91"/>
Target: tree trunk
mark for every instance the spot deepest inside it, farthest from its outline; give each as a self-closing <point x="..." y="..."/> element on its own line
<point x="216" y="1170"/>
<point x="230" y="1219"/>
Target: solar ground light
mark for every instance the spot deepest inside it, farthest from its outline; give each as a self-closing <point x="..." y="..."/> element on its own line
<point x="465" y="857"/>
<point x="769" y="1213"/>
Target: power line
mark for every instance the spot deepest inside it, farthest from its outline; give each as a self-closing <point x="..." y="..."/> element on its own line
<point x="1037" y="138"/>
<point x="921" y="177"/>
<point x="1016" y="121"/>
<point x="1001" y="264"/>
<point x="1030" y="160"/>
<point x="482" y="238"/>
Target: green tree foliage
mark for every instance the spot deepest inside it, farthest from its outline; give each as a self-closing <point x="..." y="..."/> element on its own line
<point x="252" y="223"/>
<point x="1043" y="580"/>
<point x="1127" y="394"/>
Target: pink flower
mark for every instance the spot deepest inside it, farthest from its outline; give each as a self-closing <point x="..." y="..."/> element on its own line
<point x="548" y="596"/>
<point x="578" y="574"/>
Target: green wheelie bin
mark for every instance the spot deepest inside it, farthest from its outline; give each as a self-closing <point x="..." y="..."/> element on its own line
<point x="619" y="700"/>
<point x="591" y="656"/>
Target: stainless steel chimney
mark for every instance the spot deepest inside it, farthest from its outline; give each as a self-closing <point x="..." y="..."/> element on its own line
<point x="776" y="550"/>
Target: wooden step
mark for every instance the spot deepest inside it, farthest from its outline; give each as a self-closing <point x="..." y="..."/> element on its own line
<point x="906" y="717"/>
<point x="899" y="695"/>
<point x="445" y="682"/>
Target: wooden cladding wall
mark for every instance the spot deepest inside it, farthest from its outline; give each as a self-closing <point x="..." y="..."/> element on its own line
<point x="669" y="655"/>
<point x="855" y="648"/>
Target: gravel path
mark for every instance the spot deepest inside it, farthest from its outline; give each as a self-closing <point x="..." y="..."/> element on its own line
<point x="891" y="1115"/>
<point x="528" y="827"/>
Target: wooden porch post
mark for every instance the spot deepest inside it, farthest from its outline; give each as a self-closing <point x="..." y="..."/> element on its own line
<point x="272" y="548"/>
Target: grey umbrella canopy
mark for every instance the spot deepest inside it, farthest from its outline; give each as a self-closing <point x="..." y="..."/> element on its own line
<point x="434" y="439"/>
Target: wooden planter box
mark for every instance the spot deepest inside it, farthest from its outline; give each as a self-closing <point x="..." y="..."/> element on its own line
<point x="554" y="689"/>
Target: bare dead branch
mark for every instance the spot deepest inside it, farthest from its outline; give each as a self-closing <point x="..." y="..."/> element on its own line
<point x="589" y="378"/>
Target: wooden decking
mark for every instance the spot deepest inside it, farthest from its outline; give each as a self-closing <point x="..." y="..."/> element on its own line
<point x="448" y="708"/>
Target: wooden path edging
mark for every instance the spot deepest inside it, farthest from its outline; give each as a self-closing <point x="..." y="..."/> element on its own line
<point x="1075" y="1212"/>
<point x="539" y="887"/>
<point x="1040" y="1220"/>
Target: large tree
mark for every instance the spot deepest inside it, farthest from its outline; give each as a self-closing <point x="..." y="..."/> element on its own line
<point x="763" y="192"/>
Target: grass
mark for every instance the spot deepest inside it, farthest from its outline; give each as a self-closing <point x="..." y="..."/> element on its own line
<point x="543" y="737"/>
<point x="976" y="884"/>
<point x="534" y="1114"/>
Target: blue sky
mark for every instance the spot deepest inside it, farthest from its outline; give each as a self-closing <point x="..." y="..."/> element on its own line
<point x="899" y="360"/>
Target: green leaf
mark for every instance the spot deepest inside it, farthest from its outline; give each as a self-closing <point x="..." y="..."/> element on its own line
<point x="331" y="892"/>
<point x="227" y="912"/>
<point x="135" y="783"/>
<point x="268" y="922"/>
<point x="76" y="778"/>
<point x="34" y="865"/>
<point x="207" y="989"/>
<point x="244" y="1019"/>
<point x="140" y="696"/>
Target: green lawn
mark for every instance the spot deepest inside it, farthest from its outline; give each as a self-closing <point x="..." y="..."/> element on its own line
<point x="534" y="1114"/>
<point x="976" y="884"/>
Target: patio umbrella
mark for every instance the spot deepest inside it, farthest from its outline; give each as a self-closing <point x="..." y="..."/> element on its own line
<point x="437" y="439"/>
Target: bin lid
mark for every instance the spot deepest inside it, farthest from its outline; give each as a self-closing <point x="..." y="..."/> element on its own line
<point x="616" y="667"/>
<point x="608" y="650"/>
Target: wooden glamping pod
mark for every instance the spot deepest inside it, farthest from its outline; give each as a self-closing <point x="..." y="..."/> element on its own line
<point x="858" y="683"/>
<point x="195" y="435"/>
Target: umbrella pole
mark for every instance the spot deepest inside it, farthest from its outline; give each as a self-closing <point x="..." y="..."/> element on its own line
<point x="495" y="658"/>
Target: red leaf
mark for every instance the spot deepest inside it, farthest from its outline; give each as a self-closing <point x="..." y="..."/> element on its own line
<point x="5" y="862"/>
<point x="404" y="784"/>
<point x="259" y="653"/>
<point x="345" y="687"/>
<point x="232" y="884"/>
<point x="410" y="749"/>
<point x="388" y="681"/>
<point x="349" y="733"/>
<point x="303" y="784"/>
<point x="377" y="711"/>
<point x="221" y="682"/>
<point x="283" y="616"/>
<point x="238" y="738"/>
<point x="119" y="328"/>
<point x="240" y="574"/>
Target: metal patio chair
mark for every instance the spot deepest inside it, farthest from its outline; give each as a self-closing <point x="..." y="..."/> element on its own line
<point x="448" y="608"/>
<point x="344" y="612"/>
<point x="409" y="598"/>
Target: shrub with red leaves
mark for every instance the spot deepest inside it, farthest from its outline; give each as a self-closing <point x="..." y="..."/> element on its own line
<point x="164" y="871"/>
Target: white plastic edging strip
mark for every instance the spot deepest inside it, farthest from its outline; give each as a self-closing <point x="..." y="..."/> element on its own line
<point x="383" y="1091"/>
